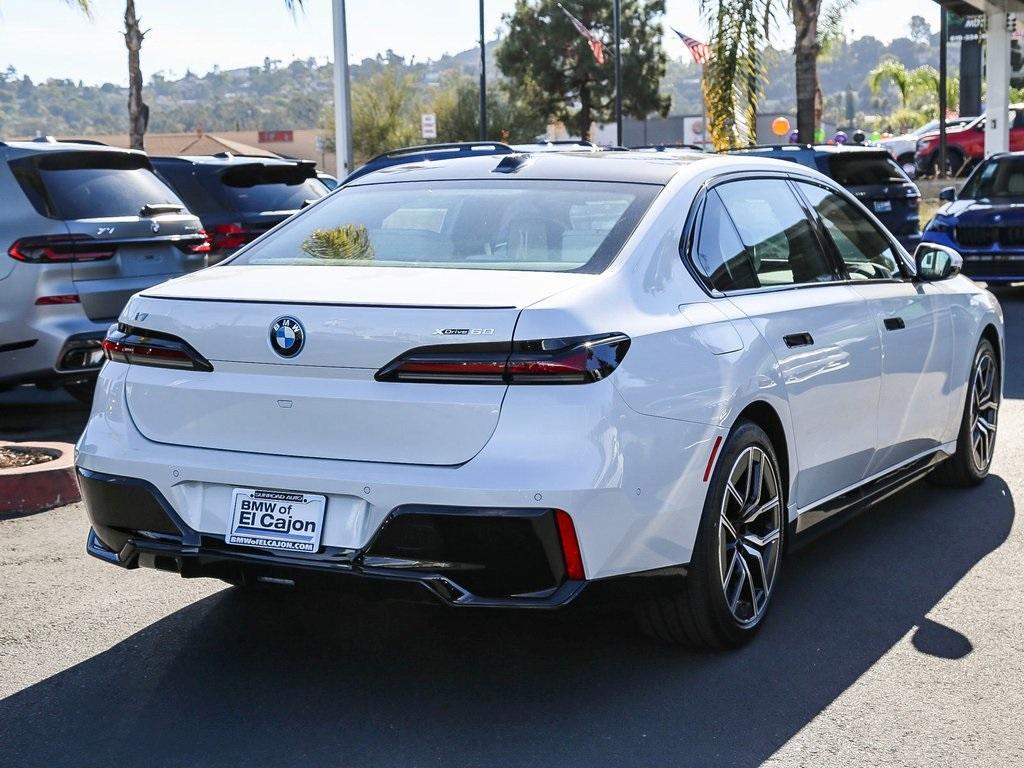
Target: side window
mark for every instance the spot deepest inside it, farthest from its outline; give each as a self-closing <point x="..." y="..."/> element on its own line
<point x="776" y="233"/>
<point x="865" y="252"/>
<point x="719" y="255"/>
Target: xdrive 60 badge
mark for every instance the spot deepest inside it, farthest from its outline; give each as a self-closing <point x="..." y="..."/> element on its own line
<point x="287" y="336"/>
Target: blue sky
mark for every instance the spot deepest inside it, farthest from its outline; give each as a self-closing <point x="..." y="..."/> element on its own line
<point x="44" y="38"/>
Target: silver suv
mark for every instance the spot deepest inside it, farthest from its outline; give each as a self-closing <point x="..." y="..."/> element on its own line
<point x="82" y="228"/>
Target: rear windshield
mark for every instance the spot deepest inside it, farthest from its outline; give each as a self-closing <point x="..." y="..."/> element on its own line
<point x="257" y="187"/>
<point x="853" y="171"/>
<point x="558" y="226"/>
<point x="996" y="178"/>
<point x="91" y="185"/>
<point x="184" y="180"/>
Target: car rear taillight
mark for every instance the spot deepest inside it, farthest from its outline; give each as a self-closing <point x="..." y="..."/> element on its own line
<point x="55" y="249"/>
<point x="137" y="346"/>
<point x="577" y="360"/>
<point x="63" y="298"/>
<point x="203" y="247"/>
<point x="229" y="236"/>
<point x="570" y="546"/>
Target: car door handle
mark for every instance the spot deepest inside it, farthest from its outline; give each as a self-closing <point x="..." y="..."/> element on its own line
<point x="798" y="340"/>
<point x="895" y="324"/>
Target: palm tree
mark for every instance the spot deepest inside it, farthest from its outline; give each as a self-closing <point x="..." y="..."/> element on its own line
<point x="740" y="32"/>
<point x="138" y="110"/>
<point x="894" y="72"/>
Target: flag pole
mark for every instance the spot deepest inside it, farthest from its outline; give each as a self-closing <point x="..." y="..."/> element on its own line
<point x="703" y="113"/>
<point x="483" y="77"/>
<point x="617" y="33"/>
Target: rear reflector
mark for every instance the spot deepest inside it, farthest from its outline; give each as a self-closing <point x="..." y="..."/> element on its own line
<point x="138" y="346"/>
<point x="577" y="360"/>
<point x="64" y="298"/>
<point x="570" y="546"/>
<point x="53" y="249"/>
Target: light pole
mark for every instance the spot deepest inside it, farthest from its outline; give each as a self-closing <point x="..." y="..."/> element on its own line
<point x="483" y="77"/>
<point x="617" y="33"/>
<point x="342" y="103"/>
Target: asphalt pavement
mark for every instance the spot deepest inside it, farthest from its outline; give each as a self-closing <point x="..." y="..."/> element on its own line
<point x="895" y="640"/>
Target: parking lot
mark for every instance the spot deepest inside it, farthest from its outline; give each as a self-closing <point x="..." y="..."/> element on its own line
<point x="897" y="640"/>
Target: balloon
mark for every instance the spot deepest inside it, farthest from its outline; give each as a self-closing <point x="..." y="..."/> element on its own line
<point x="780" y="126"/>
<point x="819" y="136"/>
<point x="839" y="138"/>
<point x="876" y="136"/>
<point x="794" y="137"/>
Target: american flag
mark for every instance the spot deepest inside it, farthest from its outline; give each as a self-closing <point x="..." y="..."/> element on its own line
<point x="596" y="46"/>
<point x="701" y="52"/>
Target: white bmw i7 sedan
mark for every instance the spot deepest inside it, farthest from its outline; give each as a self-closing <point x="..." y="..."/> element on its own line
<point x="512" y="381"/>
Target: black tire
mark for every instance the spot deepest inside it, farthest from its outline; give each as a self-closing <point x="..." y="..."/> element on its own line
<point x="82" y="391"/>
<point x="968" y="466"/>
<point x="700" y="615"/>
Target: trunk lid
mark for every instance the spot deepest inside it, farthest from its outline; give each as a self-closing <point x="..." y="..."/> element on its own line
<point x="145" y="251"/>
<point x="324" y="402"/>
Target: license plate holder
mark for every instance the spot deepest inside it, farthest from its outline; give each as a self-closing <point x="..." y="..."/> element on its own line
<point x="282" y="520"/>
<point x="883" y="206"/>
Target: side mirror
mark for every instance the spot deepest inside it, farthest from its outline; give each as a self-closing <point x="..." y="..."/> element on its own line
<point x="947" y="194"/>
<point x="937" y="262"/>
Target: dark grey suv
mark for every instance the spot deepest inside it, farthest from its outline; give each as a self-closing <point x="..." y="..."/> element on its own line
<point x="82" y="228"/>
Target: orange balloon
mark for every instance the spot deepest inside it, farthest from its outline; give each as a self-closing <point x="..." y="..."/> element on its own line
<point x="780" y="126"/>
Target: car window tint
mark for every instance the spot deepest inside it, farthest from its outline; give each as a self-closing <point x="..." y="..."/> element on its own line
<point x="89" y="185"/>
<point x="535" y="225"/>
<point x="778" y="236"/>
<point x="257" y="187"/>
<point x="999" y="177"/>
<point x="856" y="170"/>
<point x="182" y="178"/>
<point x="867" y="254"/>
<point x="720" y="255"/>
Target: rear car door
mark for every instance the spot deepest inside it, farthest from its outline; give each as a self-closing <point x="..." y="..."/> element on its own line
<point x="758" y="247"/>
<point x="128" y="229"/>
<point x="913" y="320"/>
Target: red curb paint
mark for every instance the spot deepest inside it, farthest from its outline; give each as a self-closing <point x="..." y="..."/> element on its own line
<point x="39" y="487"/>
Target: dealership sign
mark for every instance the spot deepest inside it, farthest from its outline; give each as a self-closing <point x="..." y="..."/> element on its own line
<point x="964" y="29"/>
<point x="271" y="137"/>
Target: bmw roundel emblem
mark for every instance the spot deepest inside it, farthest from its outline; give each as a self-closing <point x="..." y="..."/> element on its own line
<point x="287" y="336"/>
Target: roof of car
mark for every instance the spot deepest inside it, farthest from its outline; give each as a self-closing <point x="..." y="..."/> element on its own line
<point x="226" y="158"/>
<point x="826" y="149"/>
<point x="48" y="145"/>
<point x="635" y="167"/>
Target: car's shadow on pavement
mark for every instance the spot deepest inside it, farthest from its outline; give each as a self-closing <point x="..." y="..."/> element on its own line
<point x="238" y="680"/>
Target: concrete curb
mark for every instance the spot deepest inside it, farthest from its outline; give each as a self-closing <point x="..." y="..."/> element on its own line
<point x="27" y="490"/>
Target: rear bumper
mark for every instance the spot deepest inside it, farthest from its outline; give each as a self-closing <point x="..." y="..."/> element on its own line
<point x="632" y="484"/>
<point x="462" y="557"/>
<point x="51" y="354"/>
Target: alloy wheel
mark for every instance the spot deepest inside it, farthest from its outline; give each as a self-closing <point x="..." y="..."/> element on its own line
<point x="984" y="410"/>
<point x="750" y="535"/>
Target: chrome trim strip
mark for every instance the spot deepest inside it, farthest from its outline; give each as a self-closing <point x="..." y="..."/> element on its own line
<point x="947" y="448"/>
